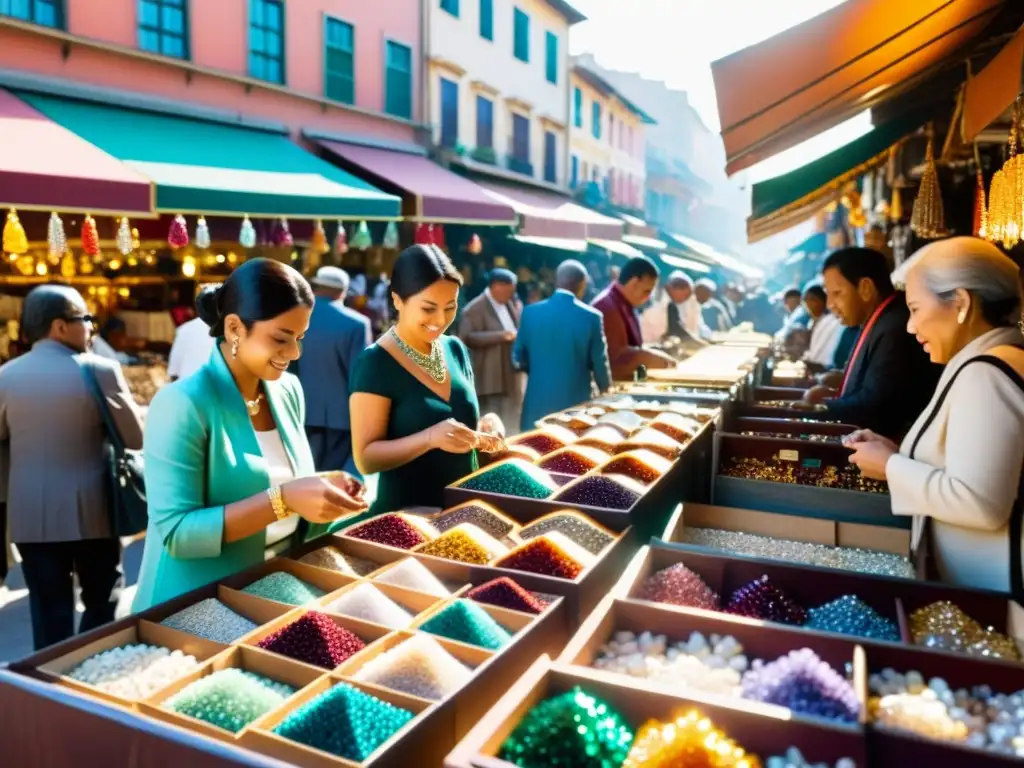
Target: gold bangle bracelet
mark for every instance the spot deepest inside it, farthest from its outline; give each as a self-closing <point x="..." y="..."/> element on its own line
<point x="281" y="511"/>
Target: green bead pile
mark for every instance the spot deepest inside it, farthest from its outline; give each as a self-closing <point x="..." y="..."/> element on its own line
<point x="513" y="478"/>
<point x="570" y="730"/>
<point x="344" y="721"/>
<point x="229" y="699"/>
<point x="284" y="588"/>
<point x="468" y="623"/>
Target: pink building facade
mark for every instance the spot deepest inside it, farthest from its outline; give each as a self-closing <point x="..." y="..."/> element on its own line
<point x="338" y="66"/>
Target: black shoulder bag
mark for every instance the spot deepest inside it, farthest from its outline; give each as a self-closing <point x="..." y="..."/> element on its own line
<point x="127" y="489"/>
<point x="1017" y="512"/>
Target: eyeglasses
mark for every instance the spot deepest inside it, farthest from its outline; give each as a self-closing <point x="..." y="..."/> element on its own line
<point x="81" y="319"/>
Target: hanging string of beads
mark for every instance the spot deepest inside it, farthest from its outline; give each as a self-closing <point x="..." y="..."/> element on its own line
<point x="928" y="218"/>
<point x="1006" y="193"/>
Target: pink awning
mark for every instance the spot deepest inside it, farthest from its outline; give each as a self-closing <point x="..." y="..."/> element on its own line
<point x="547" y="214"/>
<point x="44" y="166"/>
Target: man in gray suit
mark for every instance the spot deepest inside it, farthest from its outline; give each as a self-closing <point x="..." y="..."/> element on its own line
<point x="336" y="337"/>
<point x="58" y="480"/>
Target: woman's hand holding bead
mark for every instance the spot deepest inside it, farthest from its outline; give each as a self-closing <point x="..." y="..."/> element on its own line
<point x="322" y="499"/>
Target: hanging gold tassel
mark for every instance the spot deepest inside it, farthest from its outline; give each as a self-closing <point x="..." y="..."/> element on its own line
<point x="1006" y="193"/>
<point x="980" y="208"/>
<point x="928" y="219"/>
<point x="896" y="206"/>
<point x="15" y="241"/>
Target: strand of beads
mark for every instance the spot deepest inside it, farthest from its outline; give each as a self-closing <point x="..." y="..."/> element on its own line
<point x="134" y="671"/>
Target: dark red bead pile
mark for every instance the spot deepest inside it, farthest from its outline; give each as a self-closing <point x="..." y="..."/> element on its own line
<point x="541" y="442"/>
<point x="541" y="556"/>
<point x="599" y="491"/>
<point x="631" y="466"/>
<point x="568" y="463"/>
<point x="390" y="530"/>
<point x="505" y="593"/>
<point x="678" y="585"/>
<point x="761" y="599"/>
<point x="314" y="639"/>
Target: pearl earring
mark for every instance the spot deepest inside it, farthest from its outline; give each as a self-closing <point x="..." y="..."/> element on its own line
<point x="961" y="316"/>
<point x="234" y="347"/>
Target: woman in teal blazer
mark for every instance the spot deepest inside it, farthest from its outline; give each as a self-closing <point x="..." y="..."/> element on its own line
<point x="225" y="450"/>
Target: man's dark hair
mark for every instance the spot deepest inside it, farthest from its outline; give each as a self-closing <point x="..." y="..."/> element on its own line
<point x="855" y="263"/>
<point x="815" y="291"/>
<point x="502" y="276"/>
<point x="42" y="306"/>
<point x="639" y="267"/>
<point x="791" y="292"/>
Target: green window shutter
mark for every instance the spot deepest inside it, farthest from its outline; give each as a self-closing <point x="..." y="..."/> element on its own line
<point x="521" y="27"/>
<point x="487" y="19"/>
<point x="552" y="57"/>
<point x="339" y="61"/>
<point x="596" y="119"/>
<point x="452" y="6"/>
<point x="398" y="80"/>
<point x="577" y="104"/>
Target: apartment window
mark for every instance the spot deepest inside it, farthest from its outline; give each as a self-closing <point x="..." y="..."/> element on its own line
<point x="449" y="113"/>
<point x="340" y="61"/>
<point x="574" y="172"/>
<point x="266" y="40"/>
<point x="550" y="157"/>
<point x="595" y="118"/>
<point x="163" y="28"/>
<point x="398" y="80"/>
<point x="551" y="60"/>
<point x="577" y="107"/>
<point x="487" y="19"/>
<point x="521" y="27"/>
<point x="47" y="13"/>
<point x="521" y="138"/>
<point x="452" y="6"/>
<point x="484" y="122"/>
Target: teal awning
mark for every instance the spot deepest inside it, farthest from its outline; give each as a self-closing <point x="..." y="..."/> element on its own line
<point x="210" y="168"/>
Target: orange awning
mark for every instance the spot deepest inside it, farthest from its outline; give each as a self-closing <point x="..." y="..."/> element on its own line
<point x="773" y="95"/>
<point x="994" y="89"/>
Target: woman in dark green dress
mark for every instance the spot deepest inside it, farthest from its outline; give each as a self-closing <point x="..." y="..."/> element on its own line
<point x="414" y="411"/>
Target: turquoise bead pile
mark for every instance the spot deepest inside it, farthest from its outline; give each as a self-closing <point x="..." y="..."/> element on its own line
<point x="513" y="478"/>
<point x="345" y="722"/>
<point x="229" y="699"/>
<point x="284" y="588"/>
<point x="468" y="623"/>
<point x="849" y="615"/>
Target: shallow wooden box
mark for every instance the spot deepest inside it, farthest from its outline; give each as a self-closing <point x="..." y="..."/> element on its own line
<point x="757" y="732"/>
<point x="256" y="609"/>
<point x="790" y="498"/>
<point x="792" y="427"/>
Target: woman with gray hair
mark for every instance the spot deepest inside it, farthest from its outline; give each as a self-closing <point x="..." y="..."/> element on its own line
<point x="958" y="471"/>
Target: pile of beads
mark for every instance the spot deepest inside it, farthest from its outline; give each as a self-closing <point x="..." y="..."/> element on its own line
<point x="333" y="559"/>
<point x="604" y="437"/>
<point x="847" y="477"/>
<point x="626" y="420"/>
<point x="849" y="615"/>
<point x="689" y="740"/>
<point x="604" y="491"/>
<point x="368" y="603"/>
<point x="945" y="626"/>
<point x="344" y="721"/>
<point x="467" y="623"/>
<point x="134" y="671"/>
<point x="412" y="574"/>
<point x="794" y="759"/>
<point x="505" y="593"/>
<point x="576" y="421"/>
<point x="394" y="530"/>
<point x="575" y="461"/>
<point x="314" y="639"/>
<point x="541" y="442"/>
<point x="574" y="526"/>
<point x="211" y="619"/>
<point x="284" y="588"/>
<point x="678" y="585"/>
<point x="513" y="477"/>
<point x="842" y="558"/>
<point x="465" y="543"/>
<point x="643" y="466"/>
<point x="761" y="599"/>
<point x="790" y="436"/>
<point x="550" y="554"/>
<point x="712" y="664"/>
<point x="677" y="426"/>
<point x="570" y="730"/>
<point x="418" y="666"/>
<point x="482" y="515"/>
<point x="654" y="440"/>
<point x="229" y="699"/>
<point x="802" y="682"/>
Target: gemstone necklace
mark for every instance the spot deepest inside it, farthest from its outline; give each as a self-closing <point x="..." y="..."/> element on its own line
<point x="433" y="363"/>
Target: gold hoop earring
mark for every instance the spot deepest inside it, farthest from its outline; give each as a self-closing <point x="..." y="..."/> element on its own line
<point x="234" y="348"/>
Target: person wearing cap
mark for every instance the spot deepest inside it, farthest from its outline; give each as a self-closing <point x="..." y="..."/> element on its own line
<point x="716" y="316"/>
<point x="489" y="326"/>
<point x="336" y="337"/>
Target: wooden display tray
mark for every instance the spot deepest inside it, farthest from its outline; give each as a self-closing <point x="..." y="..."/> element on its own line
<point x="757" y="729"/>
<point x="789" y="498"/>
<point x="321" y="578"/>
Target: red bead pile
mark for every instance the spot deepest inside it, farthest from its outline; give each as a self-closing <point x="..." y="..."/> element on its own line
<point x="761" y="599"/>
<point x="541" y="442"/>
<point x="678" y="585"/>
<point x="505" y="593"/>
<point x="541" y="556"/>
<point x="314" y="639"/>
<point x="631" y="466"/>
<point x="569" y="462"/>
<point x="390" y="530"/>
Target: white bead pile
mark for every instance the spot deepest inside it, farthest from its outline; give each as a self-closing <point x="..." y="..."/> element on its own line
<point x="412" y="574"/>
<point x="418" y="666"/>
<point x="714" y="664"/>
<point x="795" y="759"/>
<point x="134" y="671"/>
<point x="368" y="603"/>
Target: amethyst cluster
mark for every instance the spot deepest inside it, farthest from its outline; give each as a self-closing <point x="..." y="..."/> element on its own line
<point x="804" y="683"/>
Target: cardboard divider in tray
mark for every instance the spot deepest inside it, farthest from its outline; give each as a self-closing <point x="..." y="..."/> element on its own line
<point x="767" y="642"/>
<point x="270" y="665"/>
<point x="756" y="731"/>
<point x="809" y="500"/>
<point x="255" y="609"/>
<point x="57" y="668"/>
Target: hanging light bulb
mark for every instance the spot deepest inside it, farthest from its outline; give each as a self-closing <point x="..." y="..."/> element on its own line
<point x="247" y="234"/>
<point x="202" y="233"/>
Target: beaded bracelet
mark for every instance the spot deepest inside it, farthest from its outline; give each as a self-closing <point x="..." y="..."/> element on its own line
<point x="281" y="511"/>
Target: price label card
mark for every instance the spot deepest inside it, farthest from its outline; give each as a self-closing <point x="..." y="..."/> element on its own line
<point x="812" y="463"/>
<point x="788" y="454"/>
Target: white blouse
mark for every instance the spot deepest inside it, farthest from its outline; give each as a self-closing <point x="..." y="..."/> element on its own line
<point x="280" y="469"/>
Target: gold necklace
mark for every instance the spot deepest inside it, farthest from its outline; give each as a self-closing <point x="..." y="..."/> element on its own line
<point x="433" y="363"/>
<point x="253" y="406"/>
